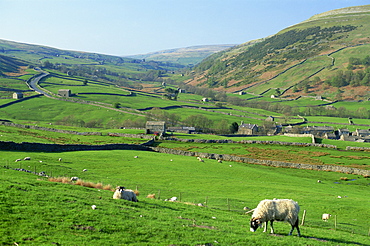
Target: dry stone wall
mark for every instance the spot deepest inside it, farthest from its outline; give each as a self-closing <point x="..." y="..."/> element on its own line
<point x="225" y="157"/>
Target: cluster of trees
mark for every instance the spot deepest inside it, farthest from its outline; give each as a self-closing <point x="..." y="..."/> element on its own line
<point x="357" y="74"/>
<point x="71" y="120"/>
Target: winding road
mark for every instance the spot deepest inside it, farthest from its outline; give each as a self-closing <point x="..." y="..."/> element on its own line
<point x="33" y="84"/>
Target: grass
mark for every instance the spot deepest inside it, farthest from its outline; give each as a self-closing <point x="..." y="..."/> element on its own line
<point x="36" y="211"/>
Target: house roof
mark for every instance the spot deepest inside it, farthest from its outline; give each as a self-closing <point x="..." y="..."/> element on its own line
<point x="248" y="126"/>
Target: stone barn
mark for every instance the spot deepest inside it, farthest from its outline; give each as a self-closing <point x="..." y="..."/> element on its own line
<point x="155" y="127"/>
<point x="17" y="95"/>
<point x="64" y="92"/>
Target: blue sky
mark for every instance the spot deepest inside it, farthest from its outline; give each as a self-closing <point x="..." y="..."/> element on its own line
<point x="121" y="27"/>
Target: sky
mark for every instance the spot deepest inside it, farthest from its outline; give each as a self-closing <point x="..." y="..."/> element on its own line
<point x="131" y="27"/>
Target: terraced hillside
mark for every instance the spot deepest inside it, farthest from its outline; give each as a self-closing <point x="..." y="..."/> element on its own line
<point x="302" y="59"/>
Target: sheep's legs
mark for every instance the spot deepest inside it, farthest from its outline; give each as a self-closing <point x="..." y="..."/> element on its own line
<point x="296" y="226"/>
<point x="265" y="225"/>
<point x="272" y="227"/>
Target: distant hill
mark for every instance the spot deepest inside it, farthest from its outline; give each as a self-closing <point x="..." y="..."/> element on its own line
<point x="185" y="56"/>
<point x="325" y="55"/>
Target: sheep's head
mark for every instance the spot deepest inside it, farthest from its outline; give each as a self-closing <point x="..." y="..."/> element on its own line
<point x="255" y="223"/>
<point x="120" y="188"/>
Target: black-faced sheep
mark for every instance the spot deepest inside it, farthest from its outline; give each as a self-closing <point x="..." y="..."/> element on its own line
<point x="277" y="209"/>
<point x="123" y="193"/>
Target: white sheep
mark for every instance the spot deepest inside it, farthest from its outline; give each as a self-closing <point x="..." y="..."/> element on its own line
<point x="123" y="193"/>
<point x="325" y="217"/>
<point x="60" y="159"/>
<point x="173" y="199"/>
<point x="277" y="209"/>
<point x="27" y="158"/>
<point x="74" y="178"/>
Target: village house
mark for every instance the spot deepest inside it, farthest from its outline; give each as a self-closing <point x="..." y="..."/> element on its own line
<point x="362" y="132"/>
<point x="155" y="127"/>
<point x="248" y="129"/>
<point x="319" y="131"/>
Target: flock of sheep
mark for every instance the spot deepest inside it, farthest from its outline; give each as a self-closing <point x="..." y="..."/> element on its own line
<point x="266" y="211"/>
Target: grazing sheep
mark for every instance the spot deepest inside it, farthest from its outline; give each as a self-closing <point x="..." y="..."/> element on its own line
<point x="219" y="161"/>
<point x="123" y="193"/>
<point x="279" y="210"/>
<point x="74" y="178"/>
<point x="60" y="159"/>
<point x="325" y="217"/>
<point x="18" y="160"/>
<point x="173" y="199"/>
<point x="85" y="170"/>
<point x="27" y="158"/>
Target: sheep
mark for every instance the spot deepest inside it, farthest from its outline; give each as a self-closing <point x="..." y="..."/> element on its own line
<point x="85" y="170"/>
<point x="173" y="199"/>
<point x="60" y="159"/>
<point x="279" y="210"/>
<point x="123" y="193"/>
<point x="27" y="158"/>
<point x="74" y="178"/>
<point x="325" y="217"/>
<point x="18" y="160"/>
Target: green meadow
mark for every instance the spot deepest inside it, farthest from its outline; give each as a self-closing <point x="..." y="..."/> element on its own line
<point x="36" y="211"/>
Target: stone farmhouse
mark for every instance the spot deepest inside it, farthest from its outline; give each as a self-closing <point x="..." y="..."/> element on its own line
<point x="248" y="129"/>
<point x="153" y="127"/>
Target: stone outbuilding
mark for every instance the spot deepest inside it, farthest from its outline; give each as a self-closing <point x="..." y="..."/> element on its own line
<point x="17" y="95"/>
<point x="152" y="127"/>
<point x="64" y="92"/>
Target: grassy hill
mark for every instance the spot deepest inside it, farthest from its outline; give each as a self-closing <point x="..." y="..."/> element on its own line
<point x="185" y="56"/>
<point x="302" y="59"/>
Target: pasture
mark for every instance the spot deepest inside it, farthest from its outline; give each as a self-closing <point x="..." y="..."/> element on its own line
<point x="36" y="211"/>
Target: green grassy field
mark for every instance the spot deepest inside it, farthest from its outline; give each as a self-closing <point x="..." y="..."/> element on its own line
<point x="39" y="212"/>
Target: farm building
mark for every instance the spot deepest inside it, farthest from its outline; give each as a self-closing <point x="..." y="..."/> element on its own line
<point x="182" y="129"/>
<point x="318" y="130"/>
<point x="248" y="129"/>
<point x="155" y="127"/>
<point x="17" y="95"/>
<point x="362" y="132"/>
<point x="64" y="92"/>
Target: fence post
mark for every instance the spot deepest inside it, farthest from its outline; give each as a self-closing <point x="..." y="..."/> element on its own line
<point x="335" y="222"/>
<point x="159" y="194"/>
<point x="303" y="217"/>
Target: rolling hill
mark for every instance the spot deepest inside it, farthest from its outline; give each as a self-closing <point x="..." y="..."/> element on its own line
<point x="300" y="60"/>
<point x="185" y="56"/>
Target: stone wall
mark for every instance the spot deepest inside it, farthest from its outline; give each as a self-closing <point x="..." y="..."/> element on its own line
<point x="39" y="147"/>
<point x="225" y="157"/>
<point x="48" y="129"/>
<point x="252" y="142"/>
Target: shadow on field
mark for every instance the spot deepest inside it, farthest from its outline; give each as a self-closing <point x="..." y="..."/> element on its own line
<point x="337" y="242"/>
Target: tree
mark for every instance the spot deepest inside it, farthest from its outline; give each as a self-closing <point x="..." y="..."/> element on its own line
<point x="116" y="105"/>
<point x="234" y="127"/>
<point x="85" y="82"/>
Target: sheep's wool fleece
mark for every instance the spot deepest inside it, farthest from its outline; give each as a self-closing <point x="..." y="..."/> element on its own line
<point x="277" y="209"/>
<point x="126" y="194"/>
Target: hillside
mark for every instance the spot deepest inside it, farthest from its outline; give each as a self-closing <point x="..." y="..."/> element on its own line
<point x="185" y="56"/>
<point x="302" y="59"/>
